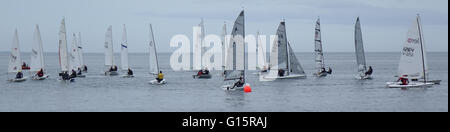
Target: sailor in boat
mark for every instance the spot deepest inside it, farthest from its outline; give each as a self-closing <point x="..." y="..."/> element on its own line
<point x="40" y="73"/>
<point x="330" y="70"/>
<point x="369" y="72"/>
<point x="404" y="80"/>
<point x="160" y="77"/>
<point x="281" y="72"/>
<point x="85" y="68"/>
<point x="74" y="74"/>
<point x="322" y="71"/>
<point x="239" y="83"/>
<point x="113" y="68"/>
<point x="25" y="66"/>
<point x="79" y="72"/>
<point x="19" y="75"/>
<point x="265" y="69"/>
<point x="200" y="72"/>
<point x="130" y="72"/>
<point x="65" y="75"/>
<point x="204" y="72"/>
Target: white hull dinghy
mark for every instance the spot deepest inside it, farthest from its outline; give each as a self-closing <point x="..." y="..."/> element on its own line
<point x="63" y="53"/>
<point x="413" y="62"/>
<point x="283" y="59"/>
<point x="153" y="60"/>
<point x="318" y="51"/>
<point x="15" y="62"/>
<point x="109" y="53"/>
<point x="37" y="56"/>
<point x="18" y="79"/>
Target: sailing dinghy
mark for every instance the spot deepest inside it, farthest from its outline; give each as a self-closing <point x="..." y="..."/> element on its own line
<point x="235" y="65"/>
<point x="204" y="72"/>
<point x="37" y="57"/>
<point x="109" y="54"/>
<point x="413" y="62"/>
<point x="319" y="59"/>
<point x="283" y="62"/>
<point x="261" y="63"/>
<point x="15" y="62"/>
<point x="63" y="54"/>
<point x="75" y="59"/>
<point x="364" y="72"/>
<point x="80" y="53"/>
<point x="153" y="59"/>
<point x="124" y="54"/>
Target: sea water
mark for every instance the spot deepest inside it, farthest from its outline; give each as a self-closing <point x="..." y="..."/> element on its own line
<point x="336" y="92"/>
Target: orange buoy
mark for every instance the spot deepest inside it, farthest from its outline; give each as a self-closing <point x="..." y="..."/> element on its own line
<point x="247" y="89"/>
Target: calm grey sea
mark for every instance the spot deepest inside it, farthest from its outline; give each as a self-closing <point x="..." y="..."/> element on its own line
<point x="338" y="92"/>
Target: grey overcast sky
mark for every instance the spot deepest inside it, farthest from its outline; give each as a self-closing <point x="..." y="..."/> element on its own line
<point x="384" y="22"/>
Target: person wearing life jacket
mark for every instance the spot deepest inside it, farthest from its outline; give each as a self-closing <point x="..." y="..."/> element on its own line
<point x="160" y="77"/>
<point x="206" y="71"/>
<point x="370" y="71"/>
<point x="404" y="80"/>
<point x="200" y="72"/>
<point x="85" y="68"/>
<point x="79" y="71"/>
<point x="330" y="70"/>
<point x="239" y="83"/>
<point x="113" y="68"/>
<point x="19" y="75"/>
<point x="74" y="74"/>
<point x="264" y="69"/>
<point x="40" y="73"/>
<point x="281" y="72"/>
<point x="65" y="75"/>
<point x="24" y="65"/>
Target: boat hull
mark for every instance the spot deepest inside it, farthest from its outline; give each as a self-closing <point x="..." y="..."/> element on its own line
<point x="410" y="85"/>
<point x="207" y="76"/>
<point x="287" y="77"/>
<point x="18" y="79"/>
<point x="155" y="82"/>
<point x="111" y="73"/>
<point x="230" y="87"/>
<point x="127" y="76"/>
<point x="363" y="77"/>
<point x="40" y="78"/>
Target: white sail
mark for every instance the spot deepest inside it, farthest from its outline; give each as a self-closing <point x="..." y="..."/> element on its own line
<point x="37" y="52"/>
<point x="273" y="61"/>
<point x="124" y="50"/>
<point x="109" y="51"/>
<point x="15" y="62"/>
<point x="319" y="59"/>
<point x="359" y="48"/>
<point x="261" y="53"/>
<point x="80" y="50"/>
<point x="413" y="57"/>
<point x="74" y="56"/>
<point x="63" y="55"/>
<point x="153" y="56"/>
<point x="224" y="45"/>
<point x="235" y="65"/>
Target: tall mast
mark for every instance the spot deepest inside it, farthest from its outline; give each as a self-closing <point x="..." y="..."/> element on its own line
<point x="154" y="47"/>
<point x="421" y="47"/>
<point x="243" y="36"/>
